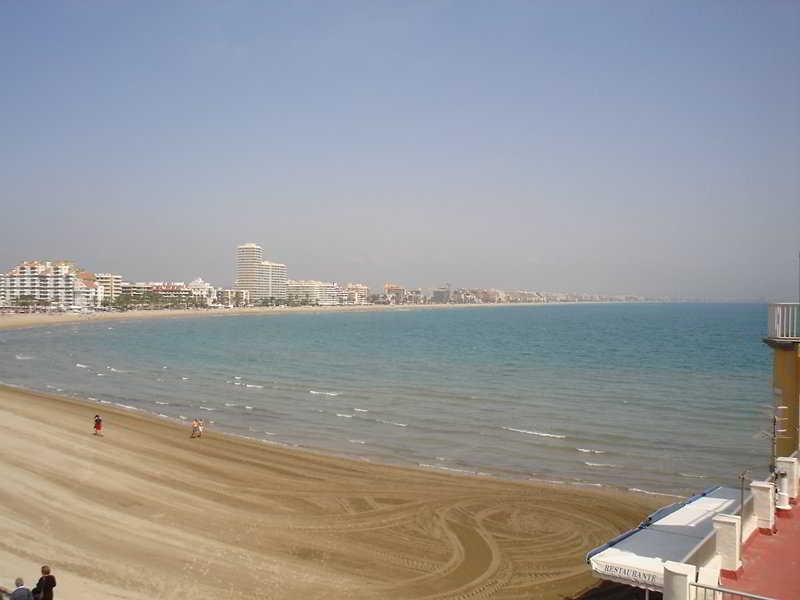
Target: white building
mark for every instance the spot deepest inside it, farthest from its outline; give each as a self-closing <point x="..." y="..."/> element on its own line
<point x="112" y="285"/>
<point x="203" y="292"/>
<point x="275" y="280"/>
<point x="57" y="284"/>
<point x="262" y="279"/>
<point x="318" y="293"/>
<point x="249" y="272"/>
<point x="357" y="293"/>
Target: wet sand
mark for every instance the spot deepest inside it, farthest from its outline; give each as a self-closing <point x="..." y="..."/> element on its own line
<point x="147" y="512"/>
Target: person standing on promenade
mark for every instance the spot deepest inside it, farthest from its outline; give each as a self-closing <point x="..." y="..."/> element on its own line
<point x="44" y="588"/>
<point x="98" y="425"/>
<point x="21" y="593"/>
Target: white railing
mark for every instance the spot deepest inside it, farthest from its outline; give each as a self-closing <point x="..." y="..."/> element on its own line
<point x="712" y="592"/>
<point x="784" y="321"/>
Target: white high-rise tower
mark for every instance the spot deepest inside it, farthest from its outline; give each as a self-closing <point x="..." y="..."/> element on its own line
<point x="249" y="258"/>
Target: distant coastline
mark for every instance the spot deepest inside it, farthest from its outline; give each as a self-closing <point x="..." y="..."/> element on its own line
<point x="30" y="320"/>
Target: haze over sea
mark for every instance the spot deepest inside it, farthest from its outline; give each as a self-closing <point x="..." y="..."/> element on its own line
<point x="659" y="397"/>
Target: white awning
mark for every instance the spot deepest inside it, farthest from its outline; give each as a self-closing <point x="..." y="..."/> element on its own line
<point x="638" y="559"/>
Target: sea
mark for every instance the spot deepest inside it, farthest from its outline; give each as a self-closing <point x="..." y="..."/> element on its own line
<point x="660" y="398"/>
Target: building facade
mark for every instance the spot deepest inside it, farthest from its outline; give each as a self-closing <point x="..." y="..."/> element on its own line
<point x="111" y="283"/>
<point x="357" y="293"/>
<point x="55" y="284"/>
<point x="275" y="281"/>
<point x="263" y="280"/>
<point x="316" y="293"/>
<point x="249" y="271"/>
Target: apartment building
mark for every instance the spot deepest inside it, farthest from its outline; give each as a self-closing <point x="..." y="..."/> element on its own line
<point x="357" y="293"/>
<point x="112" y="285"/>
<point x="262" y="279"/>
<point x="319" y="293"/>
<point x="57" y="284"/>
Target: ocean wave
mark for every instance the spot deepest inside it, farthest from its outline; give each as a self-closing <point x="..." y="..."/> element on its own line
<point x="649" y="493"/>
<point x="590" y="451"/>
<point x="105" y="402"/>
<point x="185" y="378"/>
<point x="23" y="357"/>
<point x="539" y="433"/>
<point x="237" y="377"/>
<point x="161" y="403"/>
<point x="451" y="469"/>
<point x="101" y="374"/>
<point x="207" y="408"/>
<point x="316" y="393"/>
<point x="269" y="433"/>
<point x="253" y="385"/>
<point x="81" y="366"/>
<point x="692" y="475"/>
<point x="127" y="406"/>
<point x="181" y="417"/>
<point x="392" y="423"/>
<point x="606" y="465"/>
<point x="92" y="399"/>
<point x="362" y="442"/>
<point x="248" y="408"/>
<point x="344" y="415"/>
<point x="163" y="416"/>
<point x="113" y="370"/>
<point x="361" y="410"/>
<point x="230" y="404"/>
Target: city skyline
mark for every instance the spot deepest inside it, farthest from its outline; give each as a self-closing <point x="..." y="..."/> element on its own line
<point x="629" y="148"/>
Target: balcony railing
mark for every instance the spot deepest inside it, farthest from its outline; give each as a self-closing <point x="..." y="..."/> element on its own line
<point x="712" y="592"/>
<point x="784" y="322"/>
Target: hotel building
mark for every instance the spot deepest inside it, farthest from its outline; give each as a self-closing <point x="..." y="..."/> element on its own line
<point x="357" y="293"/>
<point x="261" y="279"/>
<point x="112" y="285"/>
<point x="318" y="293"/>
<point x="58" y="284"/>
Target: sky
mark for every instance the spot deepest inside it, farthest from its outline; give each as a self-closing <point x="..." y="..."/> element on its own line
<point x="607" y="147"/>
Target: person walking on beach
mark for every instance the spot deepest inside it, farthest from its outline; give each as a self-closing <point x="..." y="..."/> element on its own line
<point x="44" y="588"/>
<point x="201" y="427"/>
<point x="195" y="428"/>
<point x="98" y="425"/>
<point x="21" y="592"/>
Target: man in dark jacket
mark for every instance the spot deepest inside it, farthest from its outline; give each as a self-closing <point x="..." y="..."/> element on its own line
<point x="44" y="588"/>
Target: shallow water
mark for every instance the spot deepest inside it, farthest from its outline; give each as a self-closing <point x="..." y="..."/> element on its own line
<point x="660" y="397"/>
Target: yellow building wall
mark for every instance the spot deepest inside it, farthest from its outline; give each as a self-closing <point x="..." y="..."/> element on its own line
<point x="786" y="378"/>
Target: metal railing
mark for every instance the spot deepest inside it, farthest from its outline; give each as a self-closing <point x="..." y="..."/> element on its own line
<point x="710" y="592"/>
<point x="784" y="321"/>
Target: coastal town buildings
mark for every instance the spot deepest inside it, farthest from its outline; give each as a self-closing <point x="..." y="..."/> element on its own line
<point x="112" y="285"/>
<point x="52" y="284"/>
<point x="395" y="293"/>
<point x="441" y="295"/>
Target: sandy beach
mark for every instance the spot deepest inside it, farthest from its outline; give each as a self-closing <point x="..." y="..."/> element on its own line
<point x="147" y="512"/>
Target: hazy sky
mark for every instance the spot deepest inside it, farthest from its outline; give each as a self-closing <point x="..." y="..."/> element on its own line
<point x="649" y="147"/>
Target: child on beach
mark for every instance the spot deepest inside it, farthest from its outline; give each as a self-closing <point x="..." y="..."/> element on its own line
<point x="201" y="426"/>
<point x="195" y="428"/>
<point x="98" y="425"/>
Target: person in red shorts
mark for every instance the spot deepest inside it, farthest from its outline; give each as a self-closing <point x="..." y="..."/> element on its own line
<point x="98" y="425"/>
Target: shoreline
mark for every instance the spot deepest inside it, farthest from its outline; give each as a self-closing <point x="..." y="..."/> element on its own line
<point x="329" y="523"/>
<point x="9" y="321"/>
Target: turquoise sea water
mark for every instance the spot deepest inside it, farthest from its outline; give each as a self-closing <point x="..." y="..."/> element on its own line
<point x="661" y="397"/>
